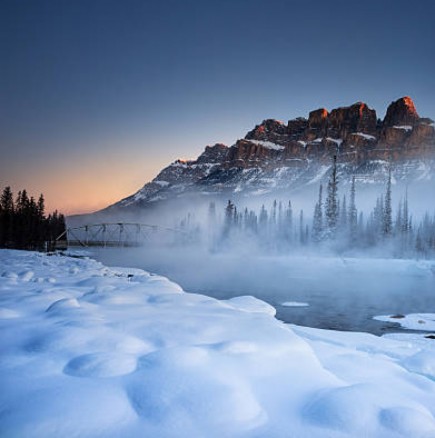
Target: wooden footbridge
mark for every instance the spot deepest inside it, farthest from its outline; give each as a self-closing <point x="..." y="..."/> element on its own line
<point x="117" y="234"/>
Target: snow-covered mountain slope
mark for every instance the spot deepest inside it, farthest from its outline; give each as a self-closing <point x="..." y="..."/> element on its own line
<point x="92" y="351"/>
<point x="289" y="156"/>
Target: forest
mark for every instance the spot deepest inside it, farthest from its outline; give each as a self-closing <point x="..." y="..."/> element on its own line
<point x="24" y="225"/>
<point x="333" y="225"/>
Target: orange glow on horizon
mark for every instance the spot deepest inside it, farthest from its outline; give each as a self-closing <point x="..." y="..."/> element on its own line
<point x="79" y="188"/>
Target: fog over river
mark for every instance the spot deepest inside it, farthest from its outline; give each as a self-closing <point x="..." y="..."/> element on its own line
<point x="340" y="293"/>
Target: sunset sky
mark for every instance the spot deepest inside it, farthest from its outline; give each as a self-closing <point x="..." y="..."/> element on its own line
<point x="97" y="96"/>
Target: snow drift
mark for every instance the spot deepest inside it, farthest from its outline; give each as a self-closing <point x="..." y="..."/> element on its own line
<point x="92" y="351"/>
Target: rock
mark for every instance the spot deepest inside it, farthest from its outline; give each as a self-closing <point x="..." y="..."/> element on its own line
<point x="296" y="128"/>
<point x="252" y="153"/>
<point x="269" y="130"/>
<point x="402" y="112"/>
<point x="422" y="134"/>
<point x="317" y="124"/>
<point x="275" y="154"/>
<point x="345" y="121"/>
<point x="395" y="137"/>
<point x="214" y="154"/>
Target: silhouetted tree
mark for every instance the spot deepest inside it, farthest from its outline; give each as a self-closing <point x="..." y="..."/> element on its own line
<point x="23" y="224"/>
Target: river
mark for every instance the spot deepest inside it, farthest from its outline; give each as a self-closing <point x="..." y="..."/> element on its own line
<point x="341" y="293"/>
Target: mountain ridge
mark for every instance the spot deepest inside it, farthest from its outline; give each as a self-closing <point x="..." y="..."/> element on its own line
<point x="276" y="155"/>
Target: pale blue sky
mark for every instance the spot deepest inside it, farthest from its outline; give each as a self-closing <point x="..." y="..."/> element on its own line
<point x="97" y="96"/>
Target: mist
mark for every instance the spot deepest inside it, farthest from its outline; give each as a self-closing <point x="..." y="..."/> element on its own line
<point x="266" y="246"/>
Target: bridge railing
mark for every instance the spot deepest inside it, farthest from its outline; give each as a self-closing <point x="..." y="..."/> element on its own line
<point x="118" y="234"/>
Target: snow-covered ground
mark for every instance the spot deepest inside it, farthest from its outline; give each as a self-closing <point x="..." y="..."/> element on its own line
<point x="92" y="351"/>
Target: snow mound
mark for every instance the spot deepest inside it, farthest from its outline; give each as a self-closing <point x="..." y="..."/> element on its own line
<point x="113" y="352"/>
<point x="101" y="365"/>
<point x="8" y="313"/>
<point x="251" y="304"/>
<point x="64" y="303"/>
<point x="423" y="363"/>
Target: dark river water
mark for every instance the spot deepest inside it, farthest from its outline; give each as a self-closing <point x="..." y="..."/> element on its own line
<point x="342" y="294"/>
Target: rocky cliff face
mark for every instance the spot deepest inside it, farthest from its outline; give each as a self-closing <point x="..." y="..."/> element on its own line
<point x="275" y="154"/>
<point x="401" y="112"/>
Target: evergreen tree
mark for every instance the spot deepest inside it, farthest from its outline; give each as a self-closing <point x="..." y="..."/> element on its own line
<point x="318" y="218"/>
<point x="6" y="217"/>
<point x="229" y="218"/>
<point x="280" y="218"/>
<point x="405" y="216"/>
<point x="273" y="214"/>
<point x="398" y="224"/>
<point x="387" y="222"/>
<point x="262" y="220"/>
<point x="301" y="228"/>
<point x="331" y="212"/>
<point x="288" y="227"/>
<point x="353" y="214"/>
<point x="378" y="216"/>
<point x="343" y="214"/>
<point x="41" y="205"/>
<point x="23" y="224"/>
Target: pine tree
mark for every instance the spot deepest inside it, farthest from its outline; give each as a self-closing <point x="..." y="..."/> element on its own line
<point x="387" y="222"/>
<point x="6" y="217"/>
<point x="405" y="217"/>
<point x="23" y="224"/>
<point x="41" y="205"/>
<point x="289" y="222"/>
<point x="229" y="218"/>
<point x="343" y="214"/>
<point x="301" y="227"/>
<point x="378" y="215"/>
<point x="353" y="214"/>
<point x="280" y="218"/>
<point x="318" y="218"/>
<point x="331" y="212"/>
<point x="398" y="224"/>
<point x="273" y="213"/>
<point x="262" y="220"/>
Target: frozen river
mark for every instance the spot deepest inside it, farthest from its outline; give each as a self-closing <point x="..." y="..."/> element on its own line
<point x="342" y="294"/>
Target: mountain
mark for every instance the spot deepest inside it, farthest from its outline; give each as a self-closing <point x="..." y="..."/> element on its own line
<point x="275" y="155"/>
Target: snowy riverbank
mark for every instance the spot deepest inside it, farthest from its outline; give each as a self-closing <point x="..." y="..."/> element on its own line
<point x="93" y="351"/>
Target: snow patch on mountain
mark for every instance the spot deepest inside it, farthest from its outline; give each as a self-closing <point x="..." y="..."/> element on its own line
<point x="268" y="145"/>
<point x="366" y="136"/>
<point x="404" y="127"/>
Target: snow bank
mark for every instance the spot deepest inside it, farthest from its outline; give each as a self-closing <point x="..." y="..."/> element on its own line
<point x="91" y="351"/>
<point x="413" y="321"/>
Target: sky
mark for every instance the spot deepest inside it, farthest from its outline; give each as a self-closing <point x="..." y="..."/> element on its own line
<point x="97" y="96"/>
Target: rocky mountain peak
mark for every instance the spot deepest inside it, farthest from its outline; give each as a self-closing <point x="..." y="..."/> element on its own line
<point x="213" y="154"/>
<point x="317" y="116"/>
<point x="402" y="112"/>
<point x="355" y="118"/>
<point x="269" y="130"/>
<point x="275" y="155"/>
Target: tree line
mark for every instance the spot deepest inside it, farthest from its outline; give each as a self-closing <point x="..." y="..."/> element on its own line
<point x="23" y="223"/>
<point x="334" y="225"/>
